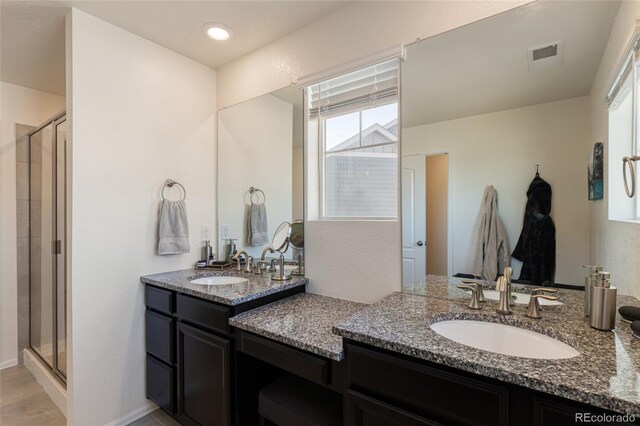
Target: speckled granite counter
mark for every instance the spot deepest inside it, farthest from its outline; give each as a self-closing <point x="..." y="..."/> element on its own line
<point x="232" y="294"/>
<point x="606" y="374"/>
<point x="303" y="321"/>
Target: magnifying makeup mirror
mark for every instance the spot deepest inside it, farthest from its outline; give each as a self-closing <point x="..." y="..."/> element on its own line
<point x="281" y="238"/>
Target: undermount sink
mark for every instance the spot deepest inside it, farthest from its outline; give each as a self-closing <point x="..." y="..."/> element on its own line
<point x="520" y="298"/>
<point x="504" y="339"/>
<point x="219" y="280"/>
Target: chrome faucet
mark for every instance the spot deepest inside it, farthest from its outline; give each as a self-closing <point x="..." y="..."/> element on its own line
<point x="504" y="288"/>
<point x="237" y="259"/>
<point x="263" y="258"/>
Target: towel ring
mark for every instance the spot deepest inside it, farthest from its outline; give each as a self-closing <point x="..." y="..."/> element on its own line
<point x="629" y="161"/>
<point x="253" y="191"/>
<point x="169" y="183"/>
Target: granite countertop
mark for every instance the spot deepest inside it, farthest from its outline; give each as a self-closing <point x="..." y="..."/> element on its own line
<point x="606" y="374"/>
<point x="303" y="321"/>
<point x="233" y="294"/>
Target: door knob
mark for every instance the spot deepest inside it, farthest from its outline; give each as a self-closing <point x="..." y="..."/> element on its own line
<point x="420" y="243"/>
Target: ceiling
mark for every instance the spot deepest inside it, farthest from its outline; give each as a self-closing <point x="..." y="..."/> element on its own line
<point x="32" y="32"/>
<point x="483" y="67"/>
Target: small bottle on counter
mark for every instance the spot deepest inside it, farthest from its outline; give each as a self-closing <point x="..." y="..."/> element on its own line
<point x="589" y="282"/>
<point x="603" y="303"/>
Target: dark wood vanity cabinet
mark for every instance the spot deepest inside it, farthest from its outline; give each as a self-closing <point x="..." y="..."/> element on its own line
<point x="386" y="388"/>
<point x="190" y="351"/>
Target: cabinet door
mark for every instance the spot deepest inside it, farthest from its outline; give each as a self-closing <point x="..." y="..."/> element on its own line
<point x="556" y="412"/>
<point x="362" y="410"/>
<point x="203" y="377"/>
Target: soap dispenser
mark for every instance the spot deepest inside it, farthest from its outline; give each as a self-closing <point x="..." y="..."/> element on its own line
<point x="603" y="303"/>
<point x="589" y="282"/>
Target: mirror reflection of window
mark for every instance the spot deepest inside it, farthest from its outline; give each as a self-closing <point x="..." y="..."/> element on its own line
<point x="356" y="120"/>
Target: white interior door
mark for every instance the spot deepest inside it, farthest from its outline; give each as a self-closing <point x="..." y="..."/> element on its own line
<point x="414" y="254"/>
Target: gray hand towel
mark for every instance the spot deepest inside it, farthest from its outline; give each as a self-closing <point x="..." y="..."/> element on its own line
<point x="174" y="228"/>
<point x="258" y="229"/>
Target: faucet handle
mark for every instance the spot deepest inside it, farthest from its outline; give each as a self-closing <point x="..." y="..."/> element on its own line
<point x="272" y="266"/>
<point x="478" y="284"/>
<point x="474" y="295"/>
<point x="543" y="290"/>
<point x="248" y="268"/>
<point x="501" y="284"/>
<point x="533" y="310"/>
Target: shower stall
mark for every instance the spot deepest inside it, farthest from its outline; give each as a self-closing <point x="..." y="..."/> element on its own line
<point x="48" y="244"/>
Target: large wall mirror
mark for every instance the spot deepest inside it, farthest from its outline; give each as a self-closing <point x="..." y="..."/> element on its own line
<point x="260" y="170"/>
<point x="484" y="108"/>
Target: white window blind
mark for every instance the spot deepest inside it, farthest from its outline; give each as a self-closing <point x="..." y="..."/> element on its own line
<point x="377" y="84"/>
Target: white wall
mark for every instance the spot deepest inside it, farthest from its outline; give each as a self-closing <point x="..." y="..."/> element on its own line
<point x="139" y="113"/>
<point x="255" y="145"/>
<point x="550" y="134"/>
<point x="353" y="260"/>
<point x="23" y="106"/>
<point x="615" y="245"/>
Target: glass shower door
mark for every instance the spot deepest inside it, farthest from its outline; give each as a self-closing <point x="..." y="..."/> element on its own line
<point x="47" y="230"/>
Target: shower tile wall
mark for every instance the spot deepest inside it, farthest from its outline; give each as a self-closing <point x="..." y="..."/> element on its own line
<point x="22" y="217"/>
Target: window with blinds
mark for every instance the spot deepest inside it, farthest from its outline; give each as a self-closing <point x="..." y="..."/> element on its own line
<point x="356" y="119"/>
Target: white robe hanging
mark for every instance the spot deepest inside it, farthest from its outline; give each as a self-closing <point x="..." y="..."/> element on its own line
<point x="492" y="248"/>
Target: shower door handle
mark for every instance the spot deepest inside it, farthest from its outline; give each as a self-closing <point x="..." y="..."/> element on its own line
<point x="56" y="247"/>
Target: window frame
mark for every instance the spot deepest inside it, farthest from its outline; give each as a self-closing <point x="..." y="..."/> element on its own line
<point x="627" y="69"/>
<point x="322" y="155"/>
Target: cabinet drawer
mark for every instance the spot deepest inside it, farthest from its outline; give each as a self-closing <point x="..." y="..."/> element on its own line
<point x="431" y="392"/>
<point x="160" y="336"/>
<point x="161" y="384"/>
<point x="203" y="313"/>
<point x="159" y="299"/>
<point x="298" y="362"/>
<point x="361" y="410"/>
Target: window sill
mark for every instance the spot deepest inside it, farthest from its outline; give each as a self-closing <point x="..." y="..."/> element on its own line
<point x="636" y="221"/>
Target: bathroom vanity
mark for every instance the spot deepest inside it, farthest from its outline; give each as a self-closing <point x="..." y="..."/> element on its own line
<point x="190" y="345"/>
<point x="398" y="370"/>
<point x="211" y="352"/>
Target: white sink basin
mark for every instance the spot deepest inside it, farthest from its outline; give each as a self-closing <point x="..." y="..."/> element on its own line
<point x="521" y="298"/>
<point x="219" y="280"/>
<point x="504" y="339"/>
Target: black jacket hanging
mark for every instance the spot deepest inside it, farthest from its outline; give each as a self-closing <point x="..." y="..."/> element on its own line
<point x="536" y="247"/>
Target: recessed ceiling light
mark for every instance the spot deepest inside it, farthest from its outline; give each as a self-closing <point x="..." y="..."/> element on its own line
<point x="217" y="31"/>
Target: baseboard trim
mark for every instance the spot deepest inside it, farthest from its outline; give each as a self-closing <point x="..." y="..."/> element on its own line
<point x="136" y="414"/>
<point x="47" y="380"/>
<point x="8" y="363"/>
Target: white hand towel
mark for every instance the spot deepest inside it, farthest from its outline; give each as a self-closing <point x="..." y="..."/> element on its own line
<point x="258" y="229"/>
<point x="174" y="229"/>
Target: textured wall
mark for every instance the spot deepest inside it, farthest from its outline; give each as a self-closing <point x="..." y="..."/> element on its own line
<point x="139" y="114"/>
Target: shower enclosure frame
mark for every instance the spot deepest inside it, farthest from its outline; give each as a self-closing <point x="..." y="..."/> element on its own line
<point x="56" y="249"/>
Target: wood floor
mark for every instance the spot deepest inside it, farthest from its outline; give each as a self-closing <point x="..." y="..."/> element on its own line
<point x="24" y="402"/>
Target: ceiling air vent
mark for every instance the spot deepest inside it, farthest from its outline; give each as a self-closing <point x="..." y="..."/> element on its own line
<point x="546" y="56"/>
